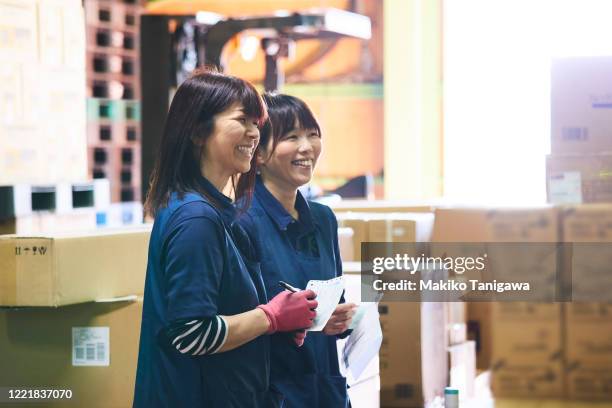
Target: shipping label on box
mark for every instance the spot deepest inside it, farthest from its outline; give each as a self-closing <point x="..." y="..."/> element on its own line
<point x="565" y="187"/>
<point x="91" y="346"/>
<point x="592" y="171"/>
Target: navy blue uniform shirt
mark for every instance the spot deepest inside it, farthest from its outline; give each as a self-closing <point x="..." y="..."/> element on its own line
<point x="296" y="251"/>
<point x="194" y="271"/>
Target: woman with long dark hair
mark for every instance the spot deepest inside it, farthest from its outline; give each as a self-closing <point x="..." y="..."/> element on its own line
<point x="206" y="314"/>
<point x="296" y="241"/>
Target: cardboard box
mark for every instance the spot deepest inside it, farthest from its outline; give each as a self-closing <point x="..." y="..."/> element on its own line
<point x="400" y="227"/>
<point x="460" y="225"/>
<point x="527" y="351"/>
<point x="462" y="361"/>
<point x="581" y="98"/>
<point x="575" y="179"/>
<point x="68" y="268"/>
<point x="413" y="356"/>
<point x="391" y="227"/>
<point x="528" y="381"/>
<point x="534" y="342"/>
<point x="590" y="383"/>
<point x="496" y="225"/>
<point x="587" y="232"/>
<point x="90" y="349"/>
<point x="589" y="335"/>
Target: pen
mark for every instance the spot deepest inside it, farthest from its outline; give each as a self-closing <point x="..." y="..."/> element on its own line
<point x="288" y="286"/>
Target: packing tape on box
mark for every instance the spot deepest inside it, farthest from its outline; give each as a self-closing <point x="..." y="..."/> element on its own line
<point x="8" y="273"/>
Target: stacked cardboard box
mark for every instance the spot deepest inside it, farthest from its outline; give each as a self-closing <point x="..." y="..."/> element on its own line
<point x="42" y="91"/>
<point x="485" y="230"/>
<point x="588" y="328"/>
<point x="526" y="349"/>
<point x="579" y="170"/>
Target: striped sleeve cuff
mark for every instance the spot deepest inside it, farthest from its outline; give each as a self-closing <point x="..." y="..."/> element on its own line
<point x="198" y="337"/>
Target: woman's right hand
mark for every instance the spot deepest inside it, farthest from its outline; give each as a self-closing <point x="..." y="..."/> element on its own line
<point x="289" y="311"/>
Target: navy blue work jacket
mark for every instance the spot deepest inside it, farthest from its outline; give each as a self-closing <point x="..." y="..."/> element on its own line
<point x="195" y="270"/>
<point x="296" y="251"/>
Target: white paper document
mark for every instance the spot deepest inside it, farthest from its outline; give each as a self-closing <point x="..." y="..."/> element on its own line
<point x="328" y="293"/>
<point x="365" y="340"/>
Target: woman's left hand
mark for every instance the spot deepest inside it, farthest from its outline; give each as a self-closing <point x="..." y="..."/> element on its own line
<point x="340" y="320"/>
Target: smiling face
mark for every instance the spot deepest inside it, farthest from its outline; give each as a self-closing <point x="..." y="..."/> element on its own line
<point x="291" y="164"/>
<point x="231" y="145"/>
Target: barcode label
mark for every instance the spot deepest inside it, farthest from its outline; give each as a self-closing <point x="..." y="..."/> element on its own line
<point x="576" y="134"/>
<point x="90" y="346"/>
<point x="565" y="188"/>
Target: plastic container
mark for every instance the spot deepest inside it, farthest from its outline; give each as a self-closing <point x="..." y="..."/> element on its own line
<point x="451" y="397"/>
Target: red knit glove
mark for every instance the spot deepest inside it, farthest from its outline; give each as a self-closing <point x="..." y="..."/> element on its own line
<point x="290" y="311"/>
